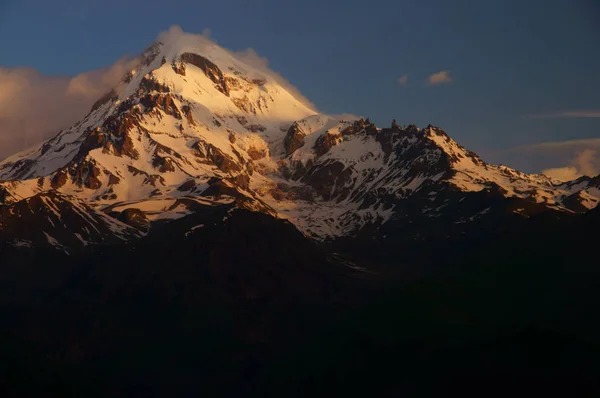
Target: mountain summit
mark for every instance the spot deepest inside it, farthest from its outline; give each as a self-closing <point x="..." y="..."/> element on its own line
<point x="195" y="125"/>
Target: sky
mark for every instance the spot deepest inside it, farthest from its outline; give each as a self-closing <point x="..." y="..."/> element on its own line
<point x="516" y="81"/>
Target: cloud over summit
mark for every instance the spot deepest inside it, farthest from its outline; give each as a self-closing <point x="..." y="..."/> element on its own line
<point x="35" y="107"/>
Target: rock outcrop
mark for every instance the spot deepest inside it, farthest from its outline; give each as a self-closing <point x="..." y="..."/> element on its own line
<point x="294" y="139"/>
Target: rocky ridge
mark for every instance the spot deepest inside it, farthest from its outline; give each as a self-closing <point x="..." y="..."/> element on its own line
<point x="192" y="125"/>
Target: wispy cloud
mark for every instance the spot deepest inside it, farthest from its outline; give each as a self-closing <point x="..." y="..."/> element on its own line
<point x="207" y="33"/>
<point x="402" y="80"/>
<point x="562" y="145"/>
<point x="573" y="158"/>
<point x="569" y="173"/>
<point x="439" y="78"/>
<point x="34" y="106"/>
<point x="585" y="163"/>
<point x="249" y="57"/>
<point x="588" y="113"/>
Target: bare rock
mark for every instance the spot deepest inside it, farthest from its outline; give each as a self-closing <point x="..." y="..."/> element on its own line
<point x="134" y="218"/>
<point x="179" y="67"/>
<point x="187" y="111"/>
<point x="163" y="164"/>
<point x="187" y="186"/>
<point x="257" y="153"/>
<point x="59" y="179"/>
<point x="294" y="139"/>
<point x="211" y="70"/>
<point x="325" y="142"/>
<point x="213" y="154"/>
<point x="113" y="179"/>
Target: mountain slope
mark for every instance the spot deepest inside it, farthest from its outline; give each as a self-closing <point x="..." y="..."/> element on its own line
<point x="53" y="220"/>
<point x="194" y="120"/>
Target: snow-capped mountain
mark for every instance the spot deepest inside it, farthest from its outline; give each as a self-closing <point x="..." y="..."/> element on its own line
<point x="194" y="125"/>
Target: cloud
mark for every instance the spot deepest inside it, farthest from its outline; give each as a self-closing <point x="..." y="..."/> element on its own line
<point x="35" y="107"/>
<point x="590" y="113"/>
<point x="349" y="117"/>
<point x="251" y="58"/>
<point x="585" y="163"/>
<point x="248" y="56"/>
<point x="402" y="80"/>
<point x="207" y="33"/>
<point x="565" y="160"/>
<point x="439" y="78"/>
<point x="563" y="173"/>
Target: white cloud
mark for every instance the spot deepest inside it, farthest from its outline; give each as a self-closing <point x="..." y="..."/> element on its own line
<point x="589" y="113"/>
<point x="402" y="80"/>
<point x="584" y="163"/>
<point x="563" y="173"/>
<point x="251" y="57"/>
<point x="34" y="106"/>
<point x="565" y="160"/>
<point x="439" y="78"/>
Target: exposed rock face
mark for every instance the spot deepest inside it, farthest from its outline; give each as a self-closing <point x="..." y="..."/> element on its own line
<point x="244" y="104"/>
<point x="59" y="179"/>
<point x="84" y="173"/>
<point x="294" y="139"/>
<point x="113" y="179"/>
<point x="220" y="159"/>
<point x="576" y="202"/>
<point x="134" y="218"/>
<point x="61" y="222"/>
<point x="360" y="126"/>
<point x="114" y="133"/>
<point x="179" y="67"/>
<point x="325" y="142"/>
<point x="255" y="128"/>
<point x="187" y="111"/>
<point x="187" y="186"/>
<point x="163" y="164"/>
<point x="163" y="102"/>
<point x="211" y="70"/>
<point x="150" y="179"/>
<point x="257" y="153"/>
<point x="149" y="84"/>
<point x="328" y="180"/>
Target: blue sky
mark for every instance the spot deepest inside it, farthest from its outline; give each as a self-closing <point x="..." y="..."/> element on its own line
<point x="507" y="60"/>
